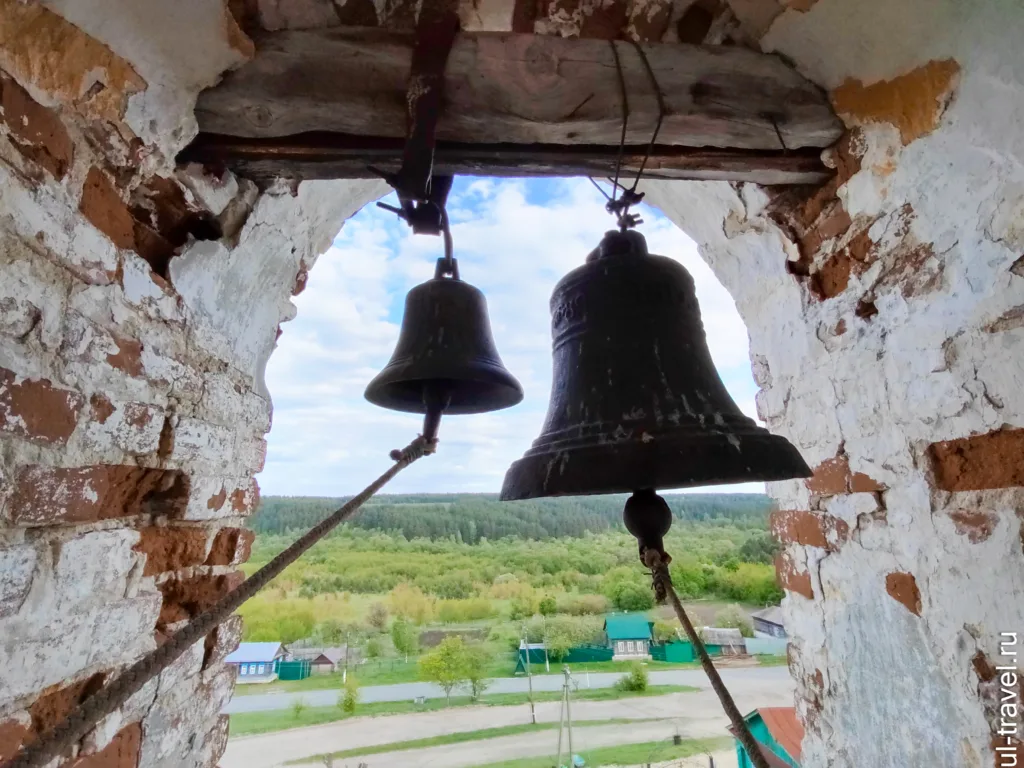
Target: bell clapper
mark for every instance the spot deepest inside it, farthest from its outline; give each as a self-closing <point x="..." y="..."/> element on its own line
<point x="647" y="516"/>
<point x="436" y="398"/>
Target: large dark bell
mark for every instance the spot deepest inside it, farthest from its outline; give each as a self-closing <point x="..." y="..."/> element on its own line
<point x="445" y="352"/>
<point x="636" y="402"/>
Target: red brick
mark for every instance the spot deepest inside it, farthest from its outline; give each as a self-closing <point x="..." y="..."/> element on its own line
<point x="128" y="357"/>
<point x="992" y="460"/>
<point x="833" y="477"/>
<point x="57" y="702"/>
<point x="103" y="207"/>
<point x="982" y="665"/>
<point x="185" y="598"/>
<point x="52" y="495"/>
<point x="171" y="548"/>
<point x="245" y="500"/>
<point x="216" y="502"/>
<point x="977" y="526"/>
<point x="13" y="733"/>
<point x="35" y="131"/>
<point x="231" y="546"/>
<point x="36" y="410"/>
<point x="122" y="751"/>
<point x="791" y="578"/>
<point x="791" y="526"/>
<point x="830" y="477"/>
<point x="902" y="587"/>
<point x="102" y="408"/>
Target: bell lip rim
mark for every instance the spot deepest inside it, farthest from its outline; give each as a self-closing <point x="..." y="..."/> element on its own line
<point x="537" y="463"/>
<point x="501" y="381"/>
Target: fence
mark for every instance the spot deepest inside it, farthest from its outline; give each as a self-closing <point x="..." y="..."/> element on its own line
<point x="771" y="646"/>
<point x="677" y="652"/>
<point x="293" y="670"/>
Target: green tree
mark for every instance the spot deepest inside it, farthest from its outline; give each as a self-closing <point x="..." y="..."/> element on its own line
<point x="349" y="698"/>
<point x="373" y="649"/>
<point x="445" y="665"/>
<point x="377" y="616"/>
<point x="547" y="606"/>
<point x="476" y="670"/>
<point x="405" y="638"/>
<point x="734" y="617"/>
<point x="634" y="597"/>
<point x="298" y="707"/>
<point x="664" y="632"/>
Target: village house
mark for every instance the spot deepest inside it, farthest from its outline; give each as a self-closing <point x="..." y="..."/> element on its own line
<point x="768" y="622"/>
<point x="629" y="636"/>
<point x="257" y="662"/>
<point x="778" y="733"/>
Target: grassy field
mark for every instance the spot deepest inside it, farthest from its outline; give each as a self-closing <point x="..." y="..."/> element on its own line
<point x="248" y="723"/>
<point x="628" y="754"/>
<point x="455" y="738"/>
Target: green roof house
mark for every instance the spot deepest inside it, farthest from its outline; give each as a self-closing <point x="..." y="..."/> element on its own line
<point x="629" y="635"/>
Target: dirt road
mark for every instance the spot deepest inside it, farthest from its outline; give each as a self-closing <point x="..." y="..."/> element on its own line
<point x="692" y="715"/>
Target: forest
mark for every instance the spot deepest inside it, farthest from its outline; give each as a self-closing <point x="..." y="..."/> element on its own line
<point x="472" y="517"/>
<point x="471" y="561"/>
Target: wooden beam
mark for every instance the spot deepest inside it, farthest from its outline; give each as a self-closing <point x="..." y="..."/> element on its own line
<point x="336" y="156"/>
<point x="506" y="88"/>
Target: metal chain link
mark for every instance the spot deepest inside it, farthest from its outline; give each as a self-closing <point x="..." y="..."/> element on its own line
<point x="105" y="701"/>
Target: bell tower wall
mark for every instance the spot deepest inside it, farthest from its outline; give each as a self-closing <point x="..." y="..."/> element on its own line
<point x="140" y="301"/>
<point x="886" y="320"/>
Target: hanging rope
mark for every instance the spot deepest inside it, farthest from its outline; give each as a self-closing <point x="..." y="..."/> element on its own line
<point x="663" y="586"/>
<point x="85" y="717"/>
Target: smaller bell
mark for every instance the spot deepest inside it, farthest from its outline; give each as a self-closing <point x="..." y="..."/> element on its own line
<point x="445" y="359"/>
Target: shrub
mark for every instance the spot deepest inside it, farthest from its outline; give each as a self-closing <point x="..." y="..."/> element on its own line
<point x="404" y="637"/>
<point x="664" y="632"/>
<point x="563" y="633"/>
<point x="374" y="649"/>
<point x="298" y="707"/>
<point x="585" y="605"/>
<point x="350" y="696"/>
<point x="634" y="597"/>
<point x="734" y="617"/>
<point x="547" y="606"/>
<point x="410" y="602"/>
<point x="634" y="680"/>
<point x="377" y="617"/>
<point x="522" y="608"/>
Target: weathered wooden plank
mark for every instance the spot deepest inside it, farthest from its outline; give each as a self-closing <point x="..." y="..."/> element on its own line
<point x="520" y="89"/>
<point x="331" y="156"/>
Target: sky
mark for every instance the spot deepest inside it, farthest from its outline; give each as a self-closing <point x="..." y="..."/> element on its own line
<point x="514" y="239"/>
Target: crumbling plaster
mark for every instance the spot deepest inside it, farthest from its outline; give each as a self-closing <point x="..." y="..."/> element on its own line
<point x="884" y="315"/>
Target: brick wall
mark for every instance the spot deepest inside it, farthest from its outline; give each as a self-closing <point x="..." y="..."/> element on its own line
<point x="884" y="312"/>
<point x="138" y="305"/>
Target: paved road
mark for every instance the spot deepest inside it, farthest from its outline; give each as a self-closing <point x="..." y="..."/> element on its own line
<point x="692" y="715"/>
<point x="409" y="691"/>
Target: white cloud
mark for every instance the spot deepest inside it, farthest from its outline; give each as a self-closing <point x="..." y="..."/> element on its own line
<point x="514" y="240"/>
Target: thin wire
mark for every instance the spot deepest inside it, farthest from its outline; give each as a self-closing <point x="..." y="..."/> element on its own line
<point x="600" y="188"/>
<point x="661" y="111"/>
<point x="625" y="109"/>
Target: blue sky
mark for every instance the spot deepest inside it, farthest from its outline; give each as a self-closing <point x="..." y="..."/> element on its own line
<point x="514" y="240"/>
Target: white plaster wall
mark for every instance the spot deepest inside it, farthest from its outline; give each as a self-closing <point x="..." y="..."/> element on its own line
<point x="899" y="689"/>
